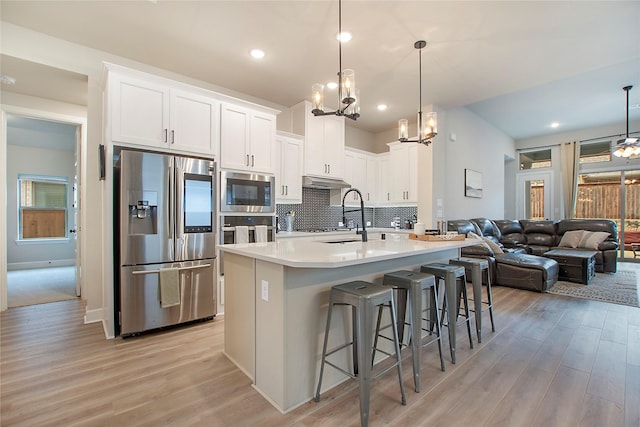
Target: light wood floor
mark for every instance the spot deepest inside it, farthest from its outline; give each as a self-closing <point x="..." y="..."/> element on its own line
<point x="554" y="361"/>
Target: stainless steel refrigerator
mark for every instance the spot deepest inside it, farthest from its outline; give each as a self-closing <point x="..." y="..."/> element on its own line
<point x="164" y="240"/>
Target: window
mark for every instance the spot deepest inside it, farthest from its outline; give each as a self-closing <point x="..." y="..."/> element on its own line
<point x="42" y="207"/>
<point x="535" y="159"/>
<point x="595" y="152"/>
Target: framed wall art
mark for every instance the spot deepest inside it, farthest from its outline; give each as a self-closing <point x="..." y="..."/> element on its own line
<point x="472" y="183"/>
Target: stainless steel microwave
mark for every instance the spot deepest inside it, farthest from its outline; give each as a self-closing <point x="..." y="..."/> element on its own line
<point x="247" y="192"/>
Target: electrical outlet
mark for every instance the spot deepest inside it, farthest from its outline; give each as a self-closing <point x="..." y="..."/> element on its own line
<point x="265" y="290"/>
<point x="368" y="223"/>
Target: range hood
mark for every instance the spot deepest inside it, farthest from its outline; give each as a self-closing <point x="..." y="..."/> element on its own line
<point x="326" y="183"/>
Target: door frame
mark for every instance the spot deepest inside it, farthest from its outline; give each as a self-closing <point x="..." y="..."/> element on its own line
<point x="81" y="143"/>
<point x="522" y="178"/>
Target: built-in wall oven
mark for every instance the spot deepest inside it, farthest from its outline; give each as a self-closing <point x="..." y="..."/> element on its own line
<point x="252" y="225"/>
<point x="247" y="192"/>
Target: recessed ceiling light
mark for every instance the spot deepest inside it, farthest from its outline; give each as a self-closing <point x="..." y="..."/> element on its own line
<point x="554" y="125"/>
<point x="332" y="85"/>
<point x="343" y="37"/>
<point x="382" y="107"/>
<point x="257" y="53"/>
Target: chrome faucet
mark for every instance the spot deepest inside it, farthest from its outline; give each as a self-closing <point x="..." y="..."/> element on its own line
<point x="344" y="218"/>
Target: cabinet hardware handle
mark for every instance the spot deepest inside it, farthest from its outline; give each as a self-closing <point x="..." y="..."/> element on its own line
<point x="247" y="164"/>
<point x="252" y="161"/>
<point x="287" y="188"/>
<point x="173" y="136"/>
<point x="329" y="168"/>
<point x="165" y="135"/>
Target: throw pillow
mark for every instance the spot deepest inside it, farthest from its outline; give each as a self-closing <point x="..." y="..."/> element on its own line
<point x="493" y="245"/>
<point x="571" y="239"/>
<point x="473" y="236"/>
<point x="592" y="239"/>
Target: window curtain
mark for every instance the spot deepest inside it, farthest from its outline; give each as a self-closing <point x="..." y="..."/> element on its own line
<point x="570" y="162"/>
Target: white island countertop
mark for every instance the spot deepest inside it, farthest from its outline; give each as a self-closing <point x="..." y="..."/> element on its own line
<point x="319" y="254"/>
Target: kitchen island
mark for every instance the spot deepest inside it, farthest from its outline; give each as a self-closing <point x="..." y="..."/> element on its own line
<point x="276" y="300"/>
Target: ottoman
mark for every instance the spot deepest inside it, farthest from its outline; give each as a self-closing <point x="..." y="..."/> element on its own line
<point x="575" y="266"/>
<point x="530" y="272"/>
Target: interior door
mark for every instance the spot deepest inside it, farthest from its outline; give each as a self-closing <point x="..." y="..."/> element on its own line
<point x="76" y="207"/>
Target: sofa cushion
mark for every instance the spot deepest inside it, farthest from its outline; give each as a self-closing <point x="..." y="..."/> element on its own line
<point x="487" y="228"/>
<point x="571" y="239"/>
<point x="511" y="231"/>
<point x="592" y="239"/>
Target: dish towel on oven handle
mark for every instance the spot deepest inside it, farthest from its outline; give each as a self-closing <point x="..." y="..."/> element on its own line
<point x="261" y="233"/>
<point x="242" y="234"/>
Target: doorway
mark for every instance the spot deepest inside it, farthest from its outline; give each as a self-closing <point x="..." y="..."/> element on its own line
<point x="41" y="184"/>
<point x="533" y="195"/>
<point x="613" y="195"/>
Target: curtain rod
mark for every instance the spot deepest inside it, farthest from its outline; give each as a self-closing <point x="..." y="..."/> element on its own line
<point x="609" y="136"/>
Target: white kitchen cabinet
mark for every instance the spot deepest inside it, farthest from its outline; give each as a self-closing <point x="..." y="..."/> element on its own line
<point x="150" y="113"/>
<point x="385" y="179"/>
<point x="246" y="139"/>
<point x="372" y="181"/>
<point x="403" y="162"/>
<point x="323" y="141"/>
<point x="355" y="174"/>
<point x="288" y="167"/>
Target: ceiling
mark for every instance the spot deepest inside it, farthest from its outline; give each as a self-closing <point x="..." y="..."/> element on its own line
<point x="520" y="65"/>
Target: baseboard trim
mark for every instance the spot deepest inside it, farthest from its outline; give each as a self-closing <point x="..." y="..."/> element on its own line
<point x="92" y="316"/>
<point x="40" y="264"/>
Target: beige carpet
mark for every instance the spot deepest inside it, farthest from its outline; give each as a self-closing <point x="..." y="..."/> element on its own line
<point x="40" y="286"/>
<point x="617" y="288"/>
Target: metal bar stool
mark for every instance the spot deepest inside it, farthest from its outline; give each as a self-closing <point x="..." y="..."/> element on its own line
<point x="409" y="285"/>
<point x="476" y="266"/>
<point x="454" y="282"/>
<point x="364" y="298"/>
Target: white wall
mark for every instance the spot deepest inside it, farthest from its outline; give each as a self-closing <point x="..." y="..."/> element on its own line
<point x="35" y="161"/>
<point x="481" y="147"/>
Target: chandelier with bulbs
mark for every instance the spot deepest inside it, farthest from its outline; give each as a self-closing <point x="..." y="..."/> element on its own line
<point x="628" y="146"/>
<point x="348" y="96"/>
<point x="427" y="123"/>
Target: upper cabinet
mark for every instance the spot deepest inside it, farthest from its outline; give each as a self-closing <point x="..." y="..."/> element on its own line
<point x="402" y="161"/>
<point x="360" y="170"/>
<point x="153" y="114"/>
<point x="288" y="167"/>
<point x="247" y="138"/>
<point x="323" y="141"/>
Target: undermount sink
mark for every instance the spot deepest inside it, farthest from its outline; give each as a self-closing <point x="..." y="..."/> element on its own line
<point x="343" y="241"/>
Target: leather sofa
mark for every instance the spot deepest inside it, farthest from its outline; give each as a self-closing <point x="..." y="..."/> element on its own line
<point x="524" y="242"/>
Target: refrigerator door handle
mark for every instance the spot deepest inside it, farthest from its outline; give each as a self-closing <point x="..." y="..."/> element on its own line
<point x="171" y="190"/>
<point x="193" y="267"/>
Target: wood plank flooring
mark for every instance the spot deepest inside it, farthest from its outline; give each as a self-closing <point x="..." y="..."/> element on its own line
<point x="553" y="361"/>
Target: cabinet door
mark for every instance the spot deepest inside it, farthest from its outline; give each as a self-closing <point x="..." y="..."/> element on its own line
<point x="385" y="178"/>
<point x="371" y="180"/>
<point x="291" y="170"/>
<point x="139" y="112"/>
<point x="399" y="165"/>
<point x="193" y="123"/>
<point x="355" y="173"/>
<point x="412" y="172"/>
<point x="262" y="133"/>
<point x="314" y="161"/>
<point x="334" y="146"/>
<point x="234" y="138"/>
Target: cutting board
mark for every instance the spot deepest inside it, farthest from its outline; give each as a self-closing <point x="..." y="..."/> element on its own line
<point x="437" y="237"/>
